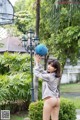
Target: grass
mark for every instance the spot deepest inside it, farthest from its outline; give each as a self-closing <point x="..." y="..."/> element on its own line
<point x="70" y="87"/>
<point x="15" y="117"/>
<point x="76" y="102"/>
<point x="19" y="116"/>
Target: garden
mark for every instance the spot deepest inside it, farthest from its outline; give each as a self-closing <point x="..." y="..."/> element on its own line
<point x="15" y="88"/>
<point x="57" y="25"/>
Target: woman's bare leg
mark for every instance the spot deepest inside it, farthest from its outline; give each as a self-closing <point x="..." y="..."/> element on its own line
<point x="48" y="104"/>
<point x="55" y="111"/>
<point x="46" y="111"/>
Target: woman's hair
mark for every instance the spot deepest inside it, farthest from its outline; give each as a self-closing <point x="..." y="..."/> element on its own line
<point x="54" y="63"/>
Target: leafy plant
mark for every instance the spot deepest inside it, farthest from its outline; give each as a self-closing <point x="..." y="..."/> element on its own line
<point x="15" y="83"/>
<point x="67" y="110"/>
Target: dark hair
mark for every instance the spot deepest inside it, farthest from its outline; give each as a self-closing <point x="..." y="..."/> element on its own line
<point x="54" y="63"/>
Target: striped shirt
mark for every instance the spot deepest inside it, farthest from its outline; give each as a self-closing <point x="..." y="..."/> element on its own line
<point x="50" y="85"/>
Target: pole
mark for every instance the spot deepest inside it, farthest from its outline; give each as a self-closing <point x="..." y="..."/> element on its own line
<point x="32" y="89"/>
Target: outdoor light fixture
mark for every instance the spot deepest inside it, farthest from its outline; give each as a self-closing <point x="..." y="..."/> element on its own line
<point x="29" y="42"/>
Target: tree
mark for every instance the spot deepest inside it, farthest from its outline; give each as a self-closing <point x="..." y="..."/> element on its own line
<point x="66" y="44"/>
<point x="25" y="15"/>
<point x="37" y="16"/>
<point x="23" y="21"/>
<point x="59" y="26"/>
<point x="61" y="19"/>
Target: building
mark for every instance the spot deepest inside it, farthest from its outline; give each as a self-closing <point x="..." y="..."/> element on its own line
<point x="6" y="12"/>
<point x="71" y="73"/>
<point x="11" y="44"/>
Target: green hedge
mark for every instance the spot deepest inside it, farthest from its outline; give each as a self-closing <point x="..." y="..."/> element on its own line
<point x="67" y="110"/>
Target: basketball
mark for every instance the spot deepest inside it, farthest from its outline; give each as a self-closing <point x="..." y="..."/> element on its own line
<point x="41" y="50"/>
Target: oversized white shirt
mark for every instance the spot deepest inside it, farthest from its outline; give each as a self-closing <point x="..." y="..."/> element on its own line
<point x="50" y="85"/>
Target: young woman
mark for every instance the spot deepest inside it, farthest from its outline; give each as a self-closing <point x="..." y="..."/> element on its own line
<point x="50" y="85"/>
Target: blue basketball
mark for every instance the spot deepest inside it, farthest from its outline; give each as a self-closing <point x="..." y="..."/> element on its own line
<point x="41" y="50"/>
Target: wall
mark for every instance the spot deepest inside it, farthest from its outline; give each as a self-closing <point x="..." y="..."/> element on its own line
<point x="71" y="73"/>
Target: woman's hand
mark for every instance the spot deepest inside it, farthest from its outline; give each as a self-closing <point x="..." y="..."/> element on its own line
<point x="37" y="58"/>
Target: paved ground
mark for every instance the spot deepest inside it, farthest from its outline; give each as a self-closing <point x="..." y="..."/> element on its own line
<point x="78" y="114"/>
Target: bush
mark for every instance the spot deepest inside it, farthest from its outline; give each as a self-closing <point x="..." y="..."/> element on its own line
<point x="18" y="105"/>
<point x="67" y="110"/>
<point x="15" y="80"/>
<point x="14" y="87"/>
<point x="12" y="63"/>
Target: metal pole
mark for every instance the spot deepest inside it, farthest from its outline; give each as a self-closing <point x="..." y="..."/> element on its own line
<point x="32" y="89"/>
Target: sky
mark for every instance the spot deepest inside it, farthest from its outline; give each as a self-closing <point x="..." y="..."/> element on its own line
<point x="13" y="1"/>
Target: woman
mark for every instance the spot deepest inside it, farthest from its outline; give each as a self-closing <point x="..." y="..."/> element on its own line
<point x="50" y="85"/>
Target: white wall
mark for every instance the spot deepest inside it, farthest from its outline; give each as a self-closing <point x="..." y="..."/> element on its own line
<point x="71" y="73"/>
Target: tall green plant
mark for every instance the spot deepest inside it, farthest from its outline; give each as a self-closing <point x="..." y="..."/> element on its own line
<point x="15" y="83"/>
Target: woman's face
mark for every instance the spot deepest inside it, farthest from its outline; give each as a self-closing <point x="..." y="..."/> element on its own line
<point x="50" y="69"/>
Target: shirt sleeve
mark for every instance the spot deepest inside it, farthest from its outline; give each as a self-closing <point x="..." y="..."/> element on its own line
<point x="40" y="73"/>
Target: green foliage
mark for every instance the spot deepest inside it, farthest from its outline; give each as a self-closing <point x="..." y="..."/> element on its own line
<point x="35" y="110"/>
<point x="14" y="63"/>
<point x="4" y="69"/>
<point x="14" y="87"/>
<point x="67" y="110"/>
<point x="66" y="44"/>
<point x="25" y="15"/>
<point x="20" y="5"/>
<point x="15" y="77"/>
<point x="22" y="21"/>
<point x="12" y="30"/>
<point x="61" y="30"/>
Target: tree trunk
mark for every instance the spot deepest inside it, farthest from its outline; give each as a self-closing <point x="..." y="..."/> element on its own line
<point x="37" y="17"/>
<point x="37" y="34"/>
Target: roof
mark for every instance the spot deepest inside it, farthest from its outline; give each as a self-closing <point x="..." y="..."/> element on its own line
<point x="11" y="44"/>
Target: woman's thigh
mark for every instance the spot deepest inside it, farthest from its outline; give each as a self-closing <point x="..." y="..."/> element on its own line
<point x="48" y="105"/>
<point x="55" y="110"/>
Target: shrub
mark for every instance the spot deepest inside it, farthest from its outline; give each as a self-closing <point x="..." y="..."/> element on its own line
<point x="15" y="80"/>
<point x="14" y="87"/>
<point x="15" y="77"/>
<point x="35" y="110"/>
<point x="19" y="105"/>
<point x="12" y="63"/>
<point x="67" y="110"/>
